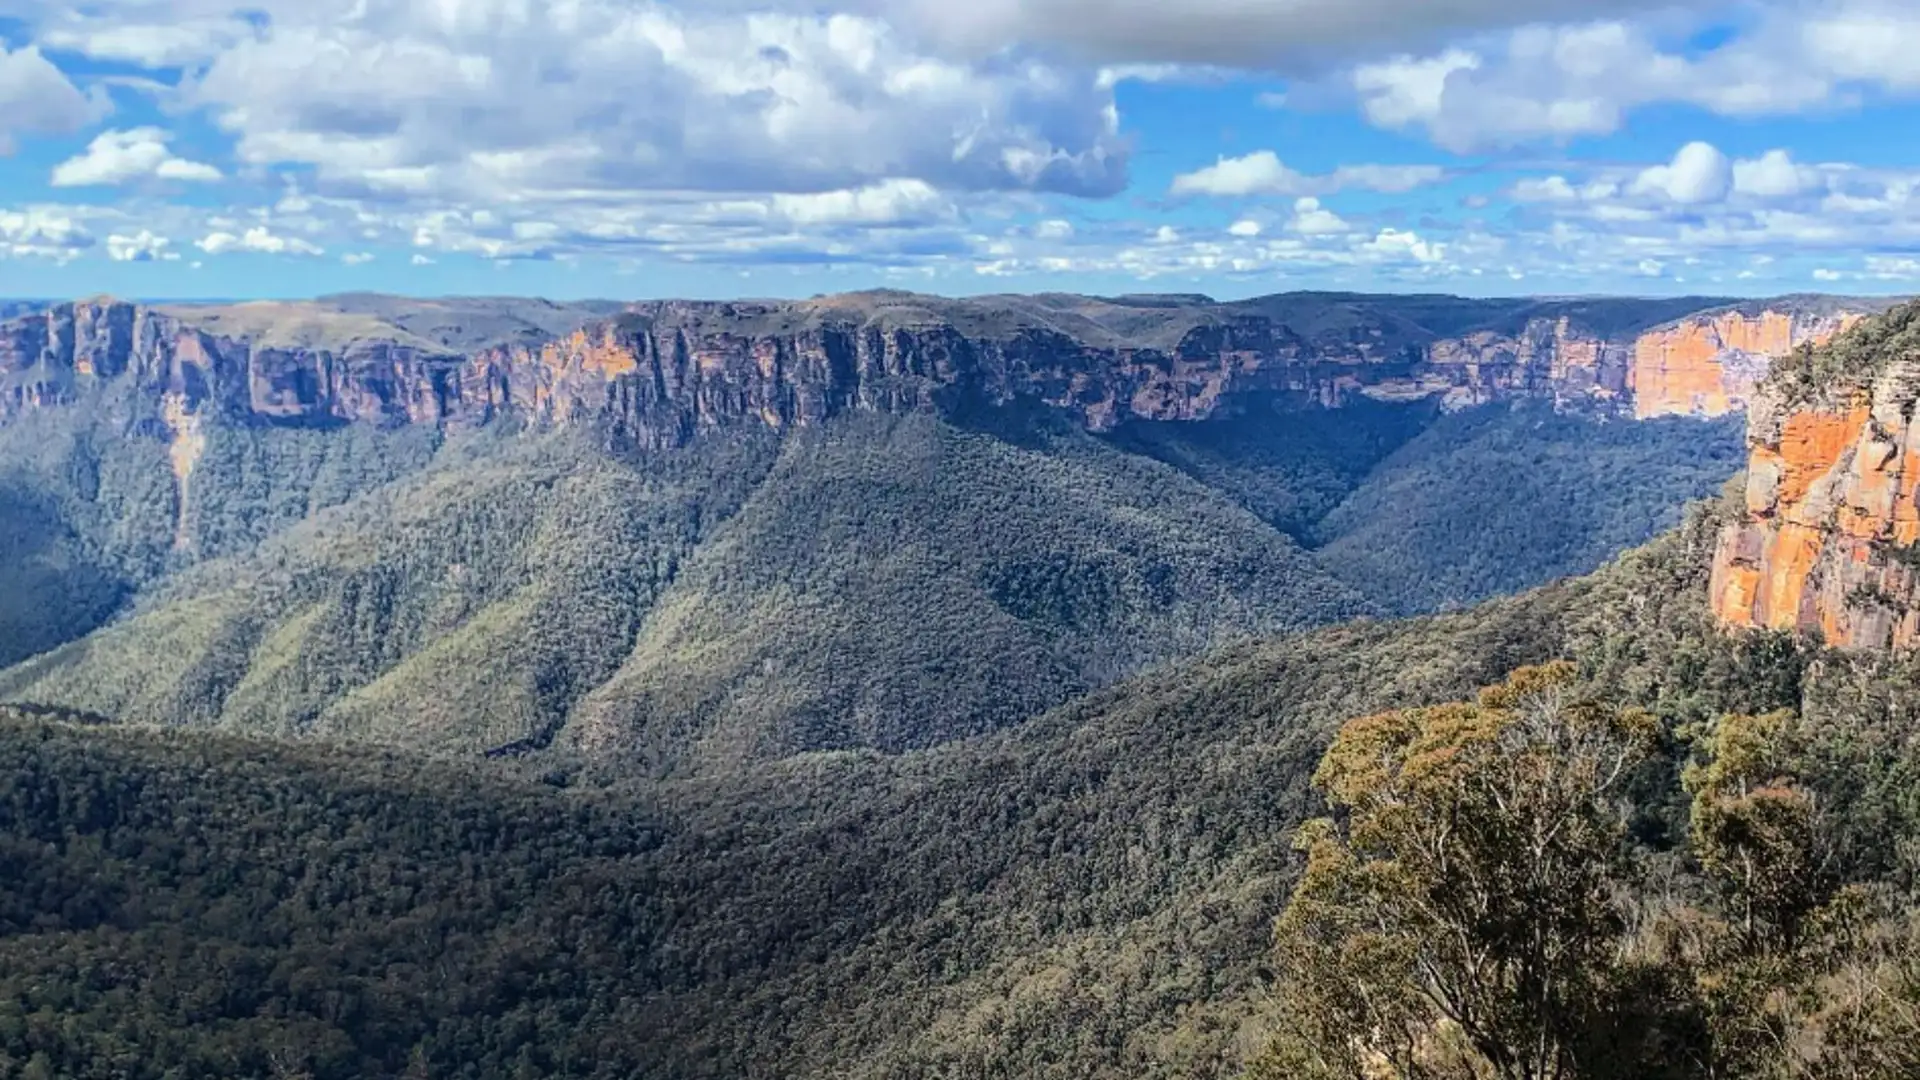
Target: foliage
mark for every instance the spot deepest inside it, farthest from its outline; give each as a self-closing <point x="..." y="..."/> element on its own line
<point x="1492" y="501"/>
<point x="1104" y="914"/>
<point x="1850" y="362"/>
<point x="1470" y="891"/>
<point x="1478" y="910"/>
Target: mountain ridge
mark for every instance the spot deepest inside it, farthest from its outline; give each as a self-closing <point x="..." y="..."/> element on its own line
<point x="658" y="372"/>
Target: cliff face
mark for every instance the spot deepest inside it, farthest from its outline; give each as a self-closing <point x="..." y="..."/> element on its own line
<point x="660" y="372"/>
<point x="1710" y="365"/>
<point x="1831" y="537"/>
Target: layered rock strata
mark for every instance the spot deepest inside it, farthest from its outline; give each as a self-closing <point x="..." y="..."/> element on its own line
<point x="1830" y="541"/>
<point x="660" y="372"/>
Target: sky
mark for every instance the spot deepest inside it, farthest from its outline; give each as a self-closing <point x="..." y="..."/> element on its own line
<point x="705" y="148"/>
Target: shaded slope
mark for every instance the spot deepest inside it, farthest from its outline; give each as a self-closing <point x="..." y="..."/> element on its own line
<point x="96" y="504"/>
<point x="1493" y="501"/>
<point x="1100" y="912"/>
<point x="881" y="581"/>
<point x="464" y="608"/>
<point x="901" y="581"/>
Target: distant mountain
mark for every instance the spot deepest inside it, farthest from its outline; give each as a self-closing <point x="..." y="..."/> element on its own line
<point x="689" y="536"/>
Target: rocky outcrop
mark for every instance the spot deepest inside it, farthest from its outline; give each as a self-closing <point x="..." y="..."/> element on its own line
<point x="1830" y="539"/>
<point x="166" y="362"/>
<point x="1710" y="365"/>
<point x="658" y="373"/>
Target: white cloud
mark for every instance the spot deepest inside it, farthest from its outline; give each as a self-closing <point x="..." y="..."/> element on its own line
<point x="422" y="260"/>
<point x="1774" y="175"/>
<point x="1893" y="268"/>
<point x="1312" y="219"/>
<point x="143" y="246"/>
<point x="525" y="99"/>
<point x="1553" y="82"/>
<point x="891" y="202"/>
<point x="1405" y="244"/>
<point x="1263" y="173"/>
<point x="1053" y="229"/>
<point x="1698" y="173"/>
<point x="1825" y="274"/>
<point x="1406" y="90"/>
<point x="257" y="239"/>
<point x="37" y="98"/>
<point x="1544" y="189"/>
<point x="1245" y="228"/>
<point x="42" y="231"/>
<point x="356" y="258"/>
<point x="151" y="44"/>
<point x="117" y="157"/>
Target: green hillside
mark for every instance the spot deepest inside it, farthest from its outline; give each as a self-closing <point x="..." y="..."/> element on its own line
<point x="881" y="581"/>
<point x="229" y="904"/>
<point x="1491" y="501"/>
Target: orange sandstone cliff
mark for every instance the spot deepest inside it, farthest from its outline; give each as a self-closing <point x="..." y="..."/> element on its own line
<point x="1830" y="538"/>
<point x="1710" y="364"/>
<point x="659" y="373"/>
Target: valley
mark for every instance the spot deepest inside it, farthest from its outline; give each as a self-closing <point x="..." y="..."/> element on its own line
<point x="900" y="733"/>
<point x="700" y="536"/>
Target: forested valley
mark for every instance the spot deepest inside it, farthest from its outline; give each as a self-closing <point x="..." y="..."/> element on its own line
<point x="938" y="746"/>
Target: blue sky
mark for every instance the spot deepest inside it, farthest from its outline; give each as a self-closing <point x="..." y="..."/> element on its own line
<point x="198" y="148"/>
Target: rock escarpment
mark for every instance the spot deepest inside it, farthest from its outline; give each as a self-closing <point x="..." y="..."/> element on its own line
<point x="658" y="373"/>
<point x="1830" y="538"/>
<point x="1711" y="364"/>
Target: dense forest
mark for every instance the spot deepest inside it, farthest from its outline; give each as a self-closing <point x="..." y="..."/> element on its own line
<point x="918" y="746"/>
<point x="879" y="581"/>
<point x="198" y="903"/>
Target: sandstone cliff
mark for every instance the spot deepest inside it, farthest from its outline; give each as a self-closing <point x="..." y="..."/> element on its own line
<point x="1830" y="541"/>
<point x="657" y="373"/>
<point x="1710" y="364"/>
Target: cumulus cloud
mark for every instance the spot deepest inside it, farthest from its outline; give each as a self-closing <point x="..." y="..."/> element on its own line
<point x="152" y="42"/>
<point x="1312" y="219"/>
<point x="47" y="232"/>
<point x="1699" y="173"/>
<point x="142" y="246"/>
<point x="258" y="239"/>
<point x="1263" y="173"/>
<point x="1397" y="243"/>
<point x="37" y="98"/>
<point x="1774" y="175"/>
<point x="504" y="100"/>
<point x="118" y="157"/>
<point x="1567" y="81"/>
<point x="1283" y="34"/>
<point x="888" y="203"/>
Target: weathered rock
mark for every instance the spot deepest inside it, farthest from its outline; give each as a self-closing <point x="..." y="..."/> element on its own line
<point x="1710" y="365"/>
<point x="1831" y="538"/>
<point x="658" y="373"/>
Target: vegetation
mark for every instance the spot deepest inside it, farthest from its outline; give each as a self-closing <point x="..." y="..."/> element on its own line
<point x="1478" y="908"/>
<point x="1496" y="500"/>
<point x="880" y="581"/>
<point x="1849" y="363"/>
<point x="200" y="903"/>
